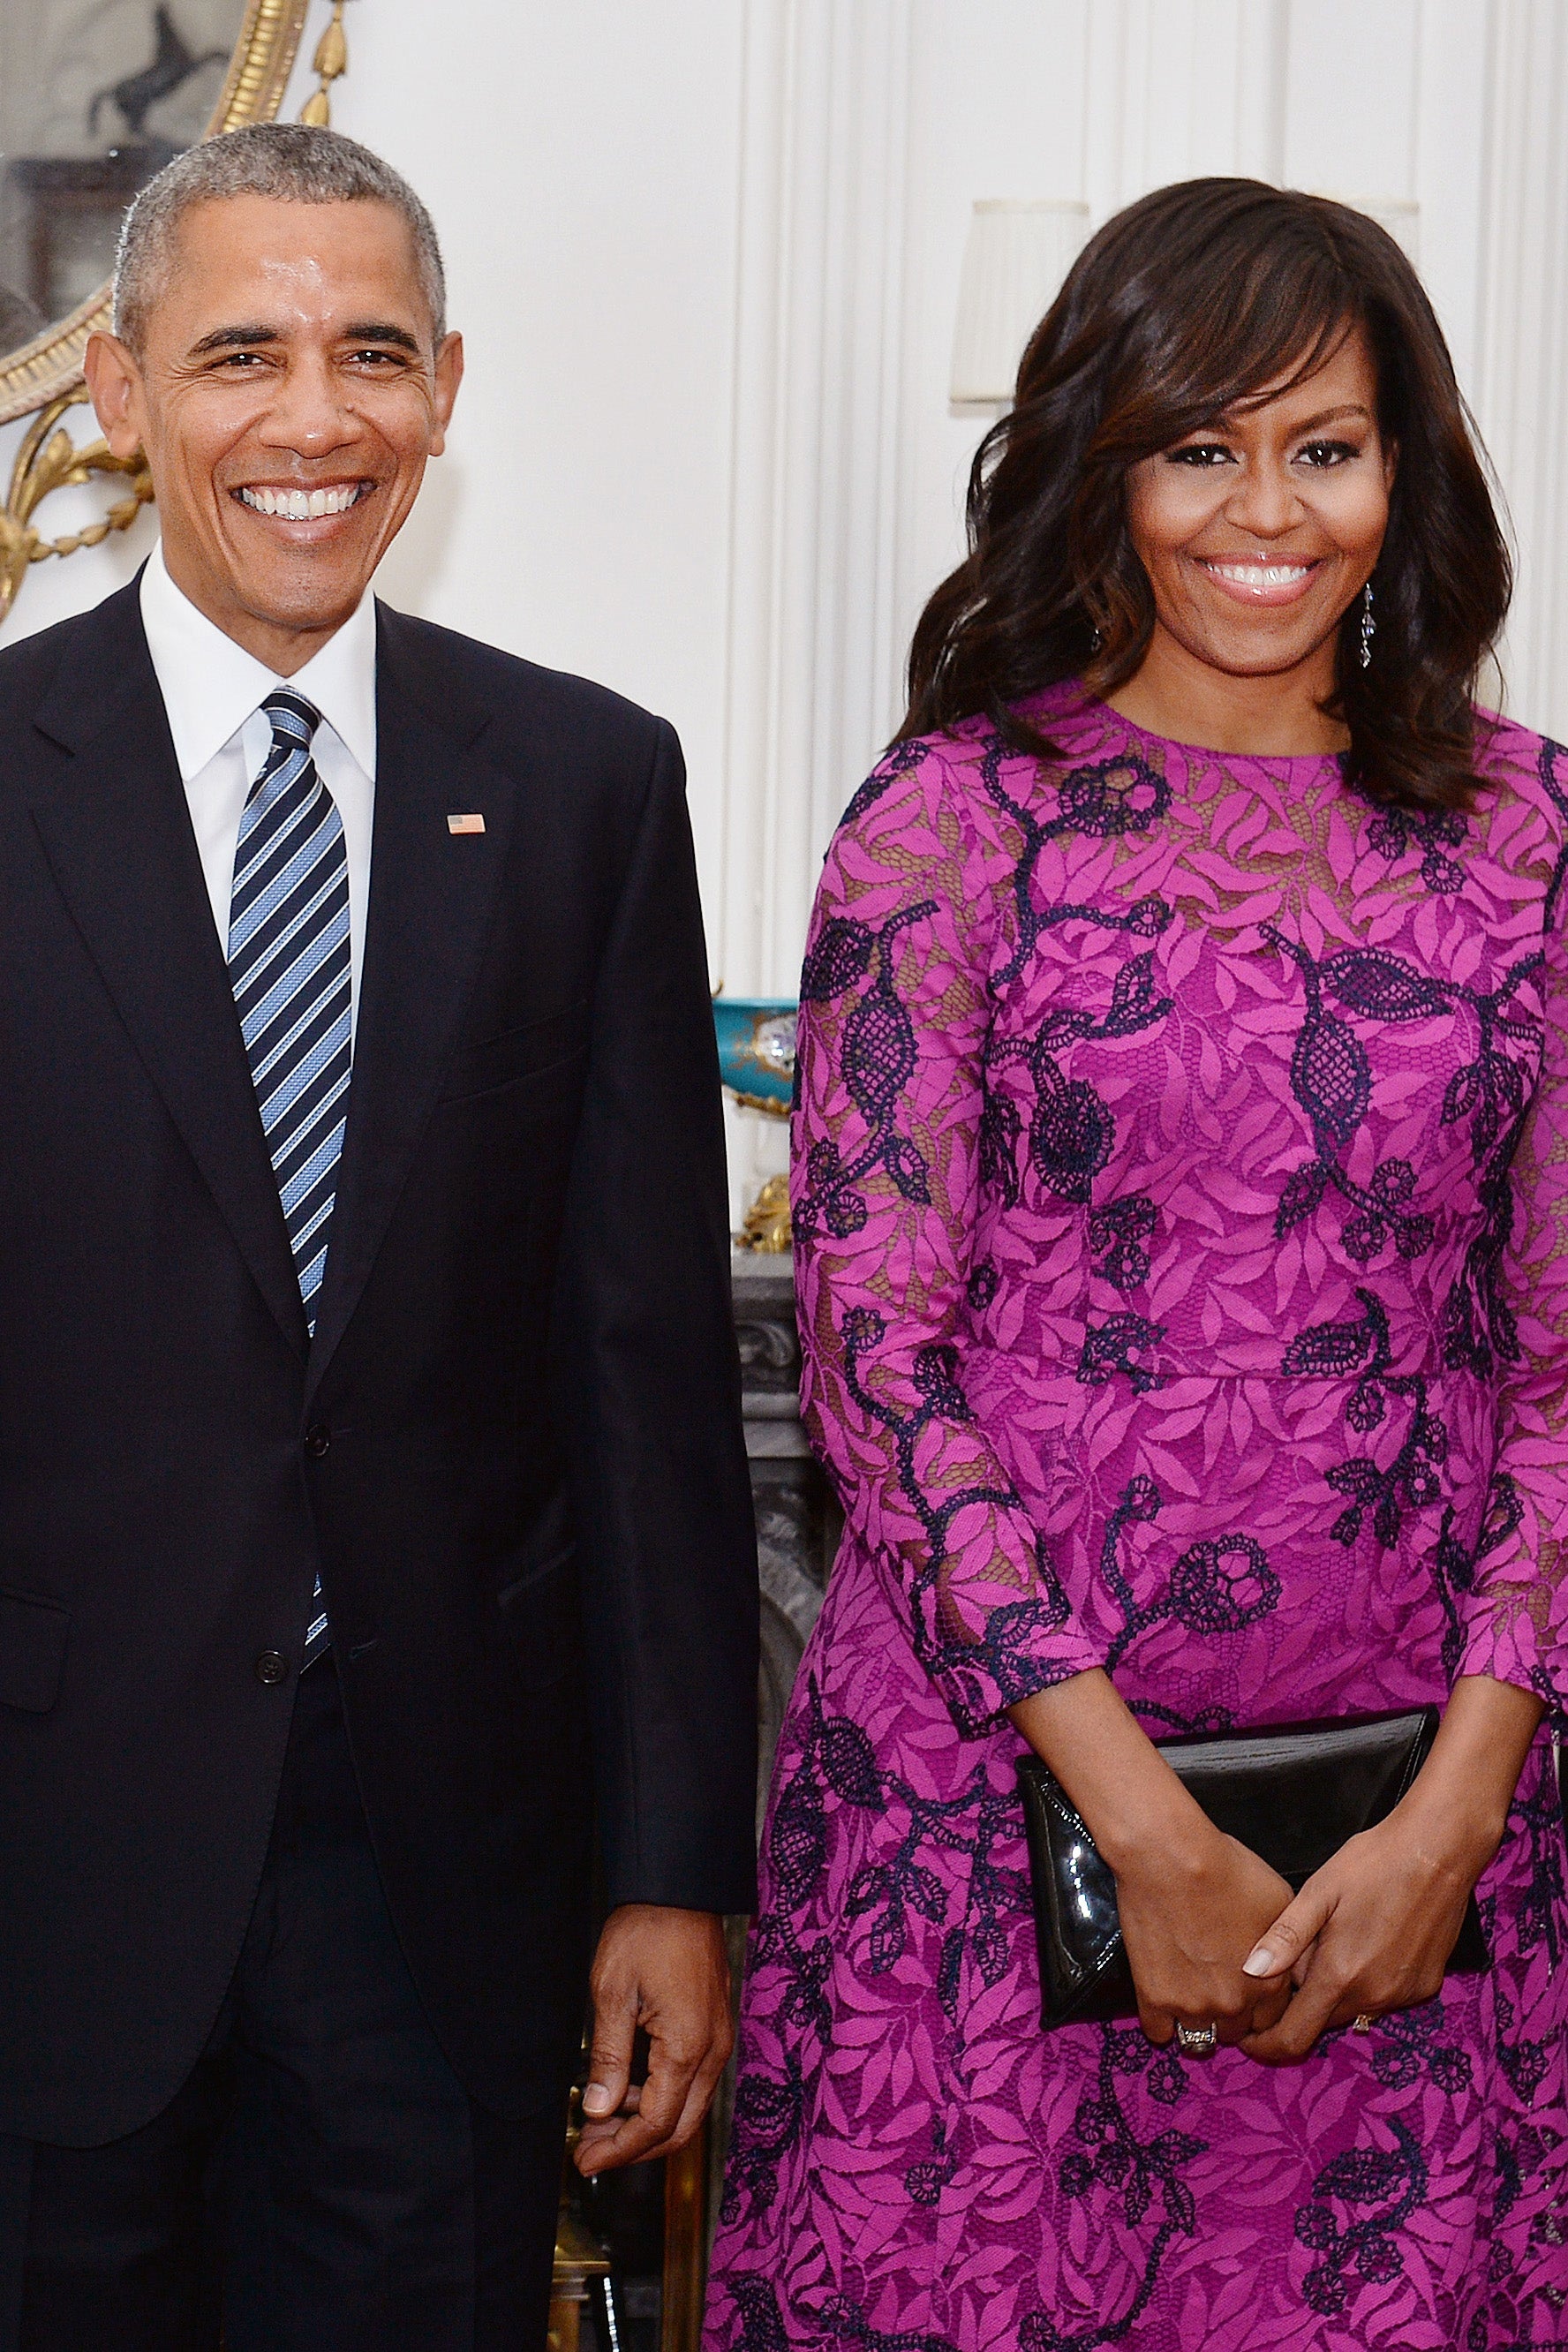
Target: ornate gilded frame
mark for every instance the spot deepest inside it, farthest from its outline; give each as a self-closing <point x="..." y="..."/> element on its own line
<point x="252" y="92"/>
<point x="44" y="377"/>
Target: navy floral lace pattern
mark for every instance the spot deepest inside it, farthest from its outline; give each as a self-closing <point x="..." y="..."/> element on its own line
<point x="1181" y="1175"/>
<point x="1431" y="834"/>
<point x="1331" y="1075"/>
<point x="1216" y="1587"/>
<point x="1004" y="1651"/>
<point x="878" y="1061"/>
<point x="1411" y="1481"/>
<point x="1112" y="2162"/>
<point x="1119" y="1238"/>
<point x="1360" y="2203"/>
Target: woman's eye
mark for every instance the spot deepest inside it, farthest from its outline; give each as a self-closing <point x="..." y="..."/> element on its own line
<point x="1322" y="454"/>
<point x="1200" y="453"/>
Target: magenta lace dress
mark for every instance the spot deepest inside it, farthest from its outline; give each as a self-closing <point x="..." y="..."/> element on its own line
<point x="1180" y="1197"/>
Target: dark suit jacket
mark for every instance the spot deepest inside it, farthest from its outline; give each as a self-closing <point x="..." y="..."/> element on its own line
<point x="513" y="1449"/>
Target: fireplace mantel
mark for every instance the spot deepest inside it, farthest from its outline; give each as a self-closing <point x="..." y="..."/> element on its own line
<point x="798" y="1518"/>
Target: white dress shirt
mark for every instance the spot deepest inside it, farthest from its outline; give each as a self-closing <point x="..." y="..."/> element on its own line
<point x="213" y="691"/>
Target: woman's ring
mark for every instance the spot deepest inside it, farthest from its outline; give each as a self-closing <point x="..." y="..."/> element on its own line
<point x="1196" y="2041"/>
<point x="1361" y="2025"/>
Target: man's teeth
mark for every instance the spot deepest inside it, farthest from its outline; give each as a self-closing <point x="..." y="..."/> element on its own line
<point x="303" y="506"/>
<point x="1261" y="575"/>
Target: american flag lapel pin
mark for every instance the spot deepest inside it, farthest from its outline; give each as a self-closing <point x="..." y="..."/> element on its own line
<point x="473" y="823"/>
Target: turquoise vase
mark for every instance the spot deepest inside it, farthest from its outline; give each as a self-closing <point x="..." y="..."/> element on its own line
<point x="756" y="1050"/>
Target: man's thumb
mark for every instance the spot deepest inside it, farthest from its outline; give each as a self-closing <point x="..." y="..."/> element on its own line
<point x="610" y="2067"/>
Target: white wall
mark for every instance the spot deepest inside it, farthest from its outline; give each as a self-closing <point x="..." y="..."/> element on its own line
<point x="706" y="255"/>
<point x="581" y="166"/>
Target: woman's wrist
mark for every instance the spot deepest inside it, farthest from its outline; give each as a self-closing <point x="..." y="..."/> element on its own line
<point x="1459" y="1808"/>
<point x="1135" y="1809"/>
<point x="1457" y="1825"/>
<point x="1150" y="1820"/>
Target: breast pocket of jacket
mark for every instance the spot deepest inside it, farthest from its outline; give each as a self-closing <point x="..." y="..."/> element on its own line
<point x="33" y="1636"/>
<point x="542" y="1610"/>
<point x="544" y="1057"/>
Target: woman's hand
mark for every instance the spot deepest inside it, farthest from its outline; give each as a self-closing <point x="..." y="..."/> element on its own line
<point x="1192" y="1901"/>
<point x="1371" y="1931"/>
<point x="1374" y="1928"/>
<point x="1191" y="1909"/>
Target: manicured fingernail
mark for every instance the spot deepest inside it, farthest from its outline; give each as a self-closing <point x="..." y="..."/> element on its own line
<point x="595" y="2100"/>
<point x="1260" y="1963"/>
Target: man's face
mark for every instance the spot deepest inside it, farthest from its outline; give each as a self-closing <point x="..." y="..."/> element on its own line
<point x="288" y="394"/>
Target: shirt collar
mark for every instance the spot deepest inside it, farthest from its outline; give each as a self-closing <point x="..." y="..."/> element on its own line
<point x="210" y="685"/>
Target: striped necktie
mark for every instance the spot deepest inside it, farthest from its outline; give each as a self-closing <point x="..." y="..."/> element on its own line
<point x="289" y="968"/>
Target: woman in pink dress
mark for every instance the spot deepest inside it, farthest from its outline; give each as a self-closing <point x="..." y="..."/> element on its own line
<point x="1180" y="1197"/>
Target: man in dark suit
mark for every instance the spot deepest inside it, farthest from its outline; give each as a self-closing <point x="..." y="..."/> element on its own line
<point x="374" y="1509"/>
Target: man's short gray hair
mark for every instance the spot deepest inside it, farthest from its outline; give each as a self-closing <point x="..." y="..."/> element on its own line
<point x="293" y="162"/>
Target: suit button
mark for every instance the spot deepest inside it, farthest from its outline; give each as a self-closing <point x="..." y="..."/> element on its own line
<point x="271" y="1667"/>
<point x="317" y="1440"/>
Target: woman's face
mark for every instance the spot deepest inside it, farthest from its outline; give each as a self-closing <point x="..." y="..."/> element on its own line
<point x="1257" y="531"/>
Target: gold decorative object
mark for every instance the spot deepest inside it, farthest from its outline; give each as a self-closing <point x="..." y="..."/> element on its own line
<point x="45" y="376"/>
<point x="252" y="92"/>
<point x="332" y="59"/>
<point x="579" y="2256"/>
<point x="767" y="1220"/>
<point x="49" y="460"/>
<point x="685" y="2246"/>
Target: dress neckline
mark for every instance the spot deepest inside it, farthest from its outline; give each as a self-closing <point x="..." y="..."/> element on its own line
<point x="1074" y="701"/>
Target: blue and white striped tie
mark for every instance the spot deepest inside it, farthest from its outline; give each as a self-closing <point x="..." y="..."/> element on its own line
<point x="289" y="968"/>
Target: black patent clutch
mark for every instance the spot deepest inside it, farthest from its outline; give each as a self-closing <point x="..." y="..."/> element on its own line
<point x="1293" y="1792"/>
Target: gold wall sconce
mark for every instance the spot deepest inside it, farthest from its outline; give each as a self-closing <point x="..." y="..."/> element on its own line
<point x="61" y="210"/>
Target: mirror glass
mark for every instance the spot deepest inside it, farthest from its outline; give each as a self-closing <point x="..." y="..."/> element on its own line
<point x="95" y="97"/>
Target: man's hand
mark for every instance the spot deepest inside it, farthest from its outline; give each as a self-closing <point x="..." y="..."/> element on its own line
<point x="667" y="1971"/>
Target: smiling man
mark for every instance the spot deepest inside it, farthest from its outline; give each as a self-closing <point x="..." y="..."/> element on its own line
<point x="374" y="1507"/>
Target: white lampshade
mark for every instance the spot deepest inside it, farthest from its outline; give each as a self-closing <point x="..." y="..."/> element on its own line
<point x="1013" y="264"/>
<point x="1398" y="215"/>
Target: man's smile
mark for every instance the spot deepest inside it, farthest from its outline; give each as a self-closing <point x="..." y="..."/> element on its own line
<point x="291" y="504"/>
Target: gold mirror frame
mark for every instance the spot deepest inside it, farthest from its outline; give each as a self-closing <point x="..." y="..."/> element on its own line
<point x="45" y="375"/>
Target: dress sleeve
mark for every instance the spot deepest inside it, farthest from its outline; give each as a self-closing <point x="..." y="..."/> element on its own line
<point x="895" y="1011"/>
<point x="1513" y="1603"/>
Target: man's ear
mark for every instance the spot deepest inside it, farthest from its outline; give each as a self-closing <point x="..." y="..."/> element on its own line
<point x="448" y="376"/>
<point x="114" y="387"/>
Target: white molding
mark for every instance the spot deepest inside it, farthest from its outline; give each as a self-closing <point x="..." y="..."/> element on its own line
<point x="1449" y="168"/>
<point x="810" y="655"/>
<point x="813" y="525"/>
<point x="1523" y="309"/>
<point x="1175" y="89"/>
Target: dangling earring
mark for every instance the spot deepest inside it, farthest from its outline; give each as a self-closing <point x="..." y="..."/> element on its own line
<point x="1368" y="626"/>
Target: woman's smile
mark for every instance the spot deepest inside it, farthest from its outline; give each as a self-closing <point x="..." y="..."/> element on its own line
<point x="1260" y="580"/>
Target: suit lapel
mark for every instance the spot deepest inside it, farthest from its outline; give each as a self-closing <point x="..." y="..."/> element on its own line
<point x="117" y="834"/>
<point x="431" y="895"/>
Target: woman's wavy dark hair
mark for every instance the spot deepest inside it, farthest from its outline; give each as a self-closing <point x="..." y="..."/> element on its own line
<point x="1189" y="304"/>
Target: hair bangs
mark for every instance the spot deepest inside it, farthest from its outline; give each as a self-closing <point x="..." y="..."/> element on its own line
<point x="1205" y="349"/>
